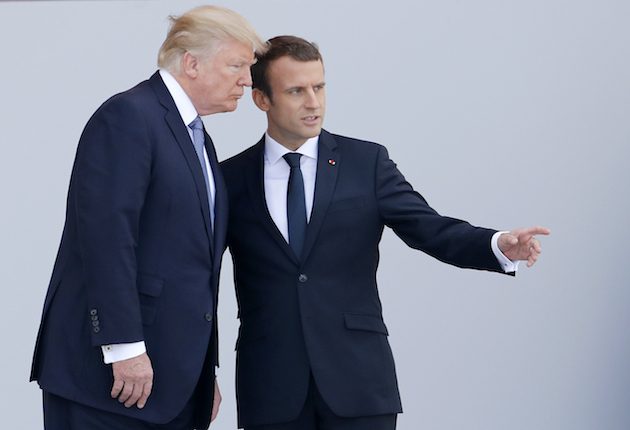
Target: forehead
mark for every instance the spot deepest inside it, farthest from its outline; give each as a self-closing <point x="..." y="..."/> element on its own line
<point x="235" y="50"/>
<point x="287" y="72"/>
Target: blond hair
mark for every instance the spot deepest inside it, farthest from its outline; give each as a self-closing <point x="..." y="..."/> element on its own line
<point x="201" y="32"/>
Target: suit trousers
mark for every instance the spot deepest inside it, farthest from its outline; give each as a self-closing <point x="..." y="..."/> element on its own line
<point x="64" y="414"/>
<point x="316" y="415"/>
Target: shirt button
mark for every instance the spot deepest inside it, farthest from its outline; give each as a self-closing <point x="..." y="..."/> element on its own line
<point x="302" y="278"/>
<point x="208" y="317"/>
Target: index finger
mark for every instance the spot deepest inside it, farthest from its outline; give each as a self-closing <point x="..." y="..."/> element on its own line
<point x="537" y="230"/>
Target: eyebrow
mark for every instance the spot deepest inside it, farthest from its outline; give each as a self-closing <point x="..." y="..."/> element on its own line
<point x="242" y="60"/>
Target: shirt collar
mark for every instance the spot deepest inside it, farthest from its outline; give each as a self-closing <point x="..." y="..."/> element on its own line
<point x="183" y="103"/>
<point x="274" y="150"/>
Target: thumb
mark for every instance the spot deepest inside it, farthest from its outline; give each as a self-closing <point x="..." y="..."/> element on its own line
<point x="507" y="239"/>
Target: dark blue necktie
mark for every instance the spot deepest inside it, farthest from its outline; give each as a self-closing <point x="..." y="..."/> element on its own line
<point x="296" y="205"/>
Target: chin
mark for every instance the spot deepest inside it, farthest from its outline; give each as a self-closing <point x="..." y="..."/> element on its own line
<point x="315" y="132"/>
<point x="232" y="107"/>
<point x="224" y="109"/>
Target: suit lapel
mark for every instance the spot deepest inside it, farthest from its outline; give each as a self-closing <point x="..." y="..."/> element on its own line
<point x="178" y="128"/>
<point x="256" y="190"/>
<point x="328" y="161"/>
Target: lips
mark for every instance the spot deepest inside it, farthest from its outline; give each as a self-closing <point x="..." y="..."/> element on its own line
<point x="311" y="119"/>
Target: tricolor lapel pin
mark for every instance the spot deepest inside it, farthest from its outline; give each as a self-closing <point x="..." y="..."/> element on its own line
<point x="332" y="162"/>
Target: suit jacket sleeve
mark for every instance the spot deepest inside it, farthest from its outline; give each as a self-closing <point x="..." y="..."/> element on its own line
<point x="448" y="239"/>
<point x="111" y="177"/>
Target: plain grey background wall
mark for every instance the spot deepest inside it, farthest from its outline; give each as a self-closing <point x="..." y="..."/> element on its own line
<point x="504" y="113"/>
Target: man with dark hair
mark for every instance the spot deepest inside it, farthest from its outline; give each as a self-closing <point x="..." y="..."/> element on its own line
<point x="128" y="338"/>
<point x="307" y="211"/>
<point x="290" y="46"/>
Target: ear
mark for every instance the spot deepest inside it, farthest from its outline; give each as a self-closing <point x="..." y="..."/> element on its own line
<point x="261" y="100"/>
<point x="190" y="65"/>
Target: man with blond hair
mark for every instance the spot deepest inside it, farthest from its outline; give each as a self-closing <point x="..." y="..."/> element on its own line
<point x="128" y="338"/>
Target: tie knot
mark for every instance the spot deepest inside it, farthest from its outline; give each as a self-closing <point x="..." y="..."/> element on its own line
<point x="196" y="124"/>
<point x="293" y="158"/>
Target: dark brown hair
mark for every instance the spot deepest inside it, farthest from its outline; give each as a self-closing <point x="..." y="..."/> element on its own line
<point x="295" y="47"/>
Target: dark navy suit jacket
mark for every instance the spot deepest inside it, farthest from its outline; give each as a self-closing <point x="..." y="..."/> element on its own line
<point x="138" y="260"/>
<point x="323" y="314"/>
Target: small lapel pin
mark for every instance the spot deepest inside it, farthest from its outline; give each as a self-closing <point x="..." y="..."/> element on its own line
<point x="332" y="162"/>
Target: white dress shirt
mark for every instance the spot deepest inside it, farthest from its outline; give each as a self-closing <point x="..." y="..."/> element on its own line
<point x="276" y="177"/>
<point x="187" y="111"/>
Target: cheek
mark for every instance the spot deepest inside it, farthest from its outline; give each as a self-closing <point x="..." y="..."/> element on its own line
<point x="290" y="116"/>
<point x="229" y="86"/>
<point x="207" y="90"/>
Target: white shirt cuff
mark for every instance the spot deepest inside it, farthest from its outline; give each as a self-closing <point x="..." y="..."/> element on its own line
<point x="507" y="265"/>
<point x="122" y="351"/>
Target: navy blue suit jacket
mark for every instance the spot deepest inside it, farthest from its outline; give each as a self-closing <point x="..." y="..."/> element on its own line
<point x="323" y="314"/>
<point x="138" y="260"/>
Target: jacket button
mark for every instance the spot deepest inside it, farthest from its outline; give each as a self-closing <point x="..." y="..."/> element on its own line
<point x="96" y="329"/>
<point x="93" y="312"/>
<point x="208" y="317"/>
<point x="96" y="323"/>
<point x="302" y="278"/>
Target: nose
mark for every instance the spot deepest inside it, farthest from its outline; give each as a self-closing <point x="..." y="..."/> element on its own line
<point x="246" y="78"/>
<point x="312" y="99"/>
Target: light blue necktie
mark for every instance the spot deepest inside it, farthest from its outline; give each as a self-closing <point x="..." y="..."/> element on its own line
<point x="199" y="140"/>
